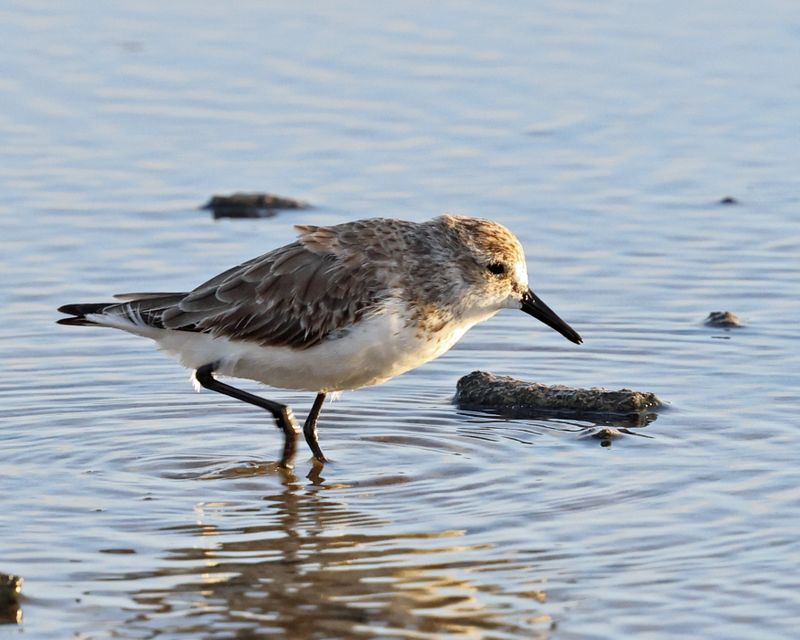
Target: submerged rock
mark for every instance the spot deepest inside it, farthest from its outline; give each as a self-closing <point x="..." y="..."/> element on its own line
<point x="483" y="390"/>
<point x="251" y="205"/>
<point x="724" y="319"/>
<point x="10" y="587"/>
<point x="728" y="200"/>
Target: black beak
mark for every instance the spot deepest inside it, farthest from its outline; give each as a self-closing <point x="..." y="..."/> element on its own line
<point x="539" y="310"/>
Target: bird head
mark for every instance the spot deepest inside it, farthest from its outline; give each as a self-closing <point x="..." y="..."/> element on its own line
<point x="489" y="263"/>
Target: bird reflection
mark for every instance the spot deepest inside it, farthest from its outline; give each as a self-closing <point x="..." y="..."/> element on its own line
<point x="306" y="566"/>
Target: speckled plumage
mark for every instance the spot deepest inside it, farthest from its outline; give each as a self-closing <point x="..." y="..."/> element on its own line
<point x="332" y="277"/>
<point x="342" y="307"/>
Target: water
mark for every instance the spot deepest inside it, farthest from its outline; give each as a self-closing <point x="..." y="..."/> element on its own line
<point x="603" y="135"/>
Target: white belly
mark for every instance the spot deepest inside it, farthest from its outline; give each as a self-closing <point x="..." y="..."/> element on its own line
<point x="374" y="353"/>
<point x="371" y="352"/>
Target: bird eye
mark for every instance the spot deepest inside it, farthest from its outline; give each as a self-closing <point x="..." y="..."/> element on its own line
<point x="497" y="268"/>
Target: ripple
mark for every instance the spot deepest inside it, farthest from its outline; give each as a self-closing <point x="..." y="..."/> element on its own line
<point x="135" y="508"/>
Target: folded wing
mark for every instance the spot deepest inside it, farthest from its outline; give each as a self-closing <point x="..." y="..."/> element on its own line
<point x="293" y="296"/>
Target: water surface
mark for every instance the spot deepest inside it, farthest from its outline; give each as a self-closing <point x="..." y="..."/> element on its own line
<point x="602" y="135"/>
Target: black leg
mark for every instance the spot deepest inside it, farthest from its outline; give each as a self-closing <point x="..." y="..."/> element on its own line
<point x="310" y="427"/>
<point x="282" y="414"/>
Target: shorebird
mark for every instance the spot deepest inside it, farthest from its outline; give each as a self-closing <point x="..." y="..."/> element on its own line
<point x="342" y="307"/>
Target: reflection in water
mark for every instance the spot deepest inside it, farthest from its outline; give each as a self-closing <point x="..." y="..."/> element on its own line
<point x="310" y="571"/>
<point x="603" y="430"/>
<point x="407" y="109"/>
<point x="582" y="422"/>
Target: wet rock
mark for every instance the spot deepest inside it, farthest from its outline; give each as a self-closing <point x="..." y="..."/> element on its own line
<point x="606" y="434"/>
<point x="250" y="205"/>
<point x="482" y="390"/>
<point x="724" y="319"/>
<point x="728" y="200"/>
<point x="10" y="588"/>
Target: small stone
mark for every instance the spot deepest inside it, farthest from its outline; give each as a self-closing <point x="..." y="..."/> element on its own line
<point x="251" y="205"/>
<point x="607" y="433"/>
<point x="10" y="588"/>
<point x="483" y="390"/>
<point x="604" y="434"/>
<point x="724" y="319"/>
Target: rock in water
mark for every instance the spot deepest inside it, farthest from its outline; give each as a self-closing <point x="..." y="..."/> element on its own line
<point x="724" y="319"/>
<point x="482" y="390"/>
<point x="250" y="205"/>
<point x="10" y="587"/>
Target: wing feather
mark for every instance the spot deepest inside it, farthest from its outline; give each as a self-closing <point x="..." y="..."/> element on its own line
<point x="293" y="296"/>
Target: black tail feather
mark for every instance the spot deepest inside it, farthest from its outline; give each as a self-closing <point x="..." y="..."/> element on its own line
<point x="84" y="308"/>
<point x="145" y="309"/>
<point x="79" y="312"/>
<point x="77" y="321"/>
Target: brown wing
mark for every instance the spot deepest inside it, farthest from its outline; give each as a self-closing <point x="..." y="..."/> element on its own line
<point x="294" y="296"/>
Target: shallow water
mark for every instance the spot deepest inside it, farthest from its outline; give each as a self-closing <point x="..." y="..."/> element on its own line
<point x="603" y="135"/>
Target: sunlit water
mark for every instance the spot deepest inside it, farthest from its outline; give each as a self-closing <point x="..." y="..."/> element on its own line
<point x="602" y="134"/>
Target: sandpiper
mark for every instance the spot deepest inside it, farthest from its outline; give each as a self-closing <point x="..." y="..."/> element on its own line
<point x="342" y="307"/>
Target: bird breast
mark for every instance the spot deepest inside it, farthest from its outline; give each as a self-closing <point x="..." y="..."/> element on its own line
<point x="372" y="351"/>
